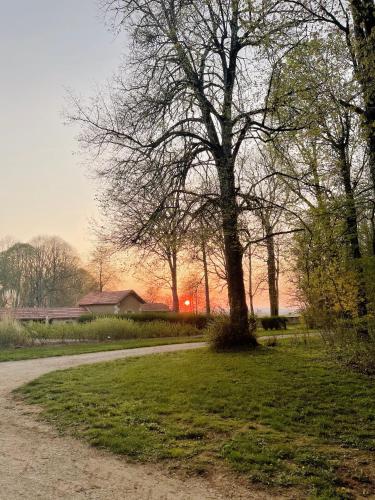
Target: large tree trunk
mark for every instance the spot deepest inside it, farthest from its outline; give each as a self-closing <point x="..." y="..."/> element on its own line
<point x="236" y="289"/>
<point x="352" y="232"/>
<point x="272" y="271"/>
<point x="206" y="280"/>
<point x="233" y="258"/>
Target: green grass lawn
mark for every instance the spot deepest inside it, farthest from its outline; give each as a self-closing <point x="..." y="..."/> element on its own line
<point x="284" y="417"/>
<point x="46" y="351"/>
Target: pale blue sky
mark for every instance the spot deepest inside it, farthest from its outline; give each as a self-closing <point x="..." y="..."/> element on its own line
<point x="47" y="46"/>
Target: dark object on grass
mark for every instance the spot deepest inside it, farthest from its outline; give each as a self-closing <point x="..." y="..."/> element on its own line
<point x="274" y="323"/>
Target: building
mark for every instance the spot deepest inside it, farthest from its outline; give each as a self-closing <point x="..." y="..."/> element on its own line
<point x="123" y="301"/>
<point x="154" y="307"/>
<point x="45" y="314"/>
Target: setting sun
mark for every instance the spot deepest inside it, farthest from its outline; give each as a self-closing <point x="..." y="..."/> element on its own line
<point x="187" y="302"/>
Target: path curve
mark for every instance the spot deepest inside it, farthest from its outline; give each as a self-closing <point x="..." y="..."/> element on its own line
<point x="37" y="463"/>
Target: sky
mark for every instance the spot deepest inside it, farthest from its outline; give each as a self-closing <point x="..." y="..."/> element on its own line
<point x="46" y="48"/>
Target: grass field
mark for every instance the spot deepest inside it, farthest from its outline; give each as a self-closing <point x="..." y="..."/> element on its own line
<point x="284" y="417"/>
<point x="46" y="351"/>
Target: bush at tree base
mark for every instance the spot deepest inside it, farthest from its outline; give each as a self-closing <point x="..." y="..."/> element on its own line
<point x="222" y="336"/>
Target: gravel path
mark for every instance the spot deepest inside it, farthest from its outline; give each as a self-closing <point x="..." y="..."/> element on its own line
<point x="37" y="463"/>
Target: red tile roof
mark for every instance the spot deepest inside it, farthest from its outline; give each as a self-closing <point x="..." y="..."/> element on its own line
<point x="107" y="298"/>
<point x="154" y="307"/>
<point x="41" y="313"/>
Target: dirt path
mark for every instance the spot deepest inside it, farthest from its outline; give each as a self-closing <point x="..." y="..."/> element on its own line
<point x="37" y="463"/>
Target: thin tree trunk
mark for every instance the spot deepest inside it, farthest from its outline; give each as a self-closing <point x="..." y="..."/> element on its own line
<point x="206" y="280"/>
<point x="251" y="293"/>
<point x="314" y="169"/>
<point x="277" y="262"/>
<point x="272" y="271"/>
<point x="175" y="298"/>
<point x="372" y="225"/>
<point x="371" y="146"/>
<point x="352" y="230"/>
<point x="272" y="274"/>
<point x="172" y="260"/>
<point x="100" y="278"/>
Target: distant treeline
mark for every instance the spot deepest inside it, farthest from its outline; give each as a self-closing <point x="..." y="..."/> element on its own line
<point x="43" y="273"/>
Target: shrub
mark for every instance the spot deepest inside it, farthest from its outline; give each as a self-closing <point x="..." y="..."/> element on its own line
<point x="349" y="347"/>
<point x="86" y="318"/>
<point x="12" y="334"/>
<point x="274" y="323"/>
<point x="221" y="335"/>
<point x="316" y="317"/>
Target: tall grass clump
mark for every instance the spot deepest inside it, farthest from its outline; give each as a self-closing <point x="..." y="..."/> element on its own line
<point x="348" y="346"/>
<point x="105" y="329"/>
<point x="12" y="334"/>
<point x="200" y="321"/>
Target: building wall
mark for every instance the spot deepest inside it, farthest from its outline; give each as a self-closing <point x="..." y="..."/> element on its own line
<point x="130" y="304"/>
<point x="101" y="309"/>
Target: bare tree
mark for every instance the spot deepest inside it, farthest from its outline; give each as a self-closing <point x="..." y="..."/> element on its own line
<point x="102" y="267"/>
<point x="45" y="272"/>
<point x="200" y="87"/>
<point x="152" y="224"/>
<point x="200" y="234"/>
<point x="256" y="278"/>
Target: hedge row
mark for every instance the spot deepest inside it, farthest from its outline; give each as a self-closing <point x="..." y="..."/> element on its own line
<point x="274" y="323"/>
<point x="199" y="321"/>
